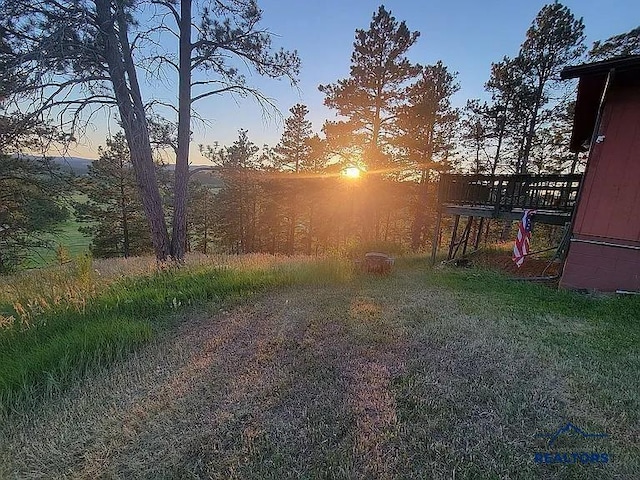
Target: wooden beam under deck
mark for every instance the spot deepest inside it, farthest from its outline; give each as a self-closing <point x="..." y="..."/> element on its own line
<point x="541" y="216"/>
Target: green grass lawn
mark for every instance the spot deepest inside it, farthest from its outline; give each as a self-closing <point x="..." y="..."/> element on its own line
<point x="47" y="344"/>
<point x="311" y="372"/>
<point x="67" y="237"/>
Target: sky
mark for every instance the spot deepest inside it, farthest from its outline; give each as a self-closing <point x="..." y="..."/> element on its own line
<point x="467" y="35"/>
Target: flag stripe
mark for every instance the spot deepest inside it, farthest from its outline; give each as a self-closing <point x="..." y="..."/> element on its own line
<point x="521" y="245"/>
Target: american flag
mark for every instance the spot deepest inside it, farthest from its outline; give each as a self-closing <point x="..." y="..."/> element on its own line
<point x="521" y="247"/>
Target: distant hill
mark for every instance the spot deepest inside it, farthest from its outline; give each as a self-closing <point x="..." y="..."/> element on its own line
<point x="77" y="165"/>
<point x="80" y="166"/>
<point x="207" y="178"/>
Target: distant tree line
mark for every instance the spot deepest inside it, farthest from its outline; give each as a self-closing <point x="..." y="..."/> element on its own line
<point x="395" y="122"/>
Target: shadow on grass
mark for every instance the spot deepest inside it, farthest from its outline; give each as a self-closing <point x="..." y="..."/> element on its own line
<point x="65" y="341"/>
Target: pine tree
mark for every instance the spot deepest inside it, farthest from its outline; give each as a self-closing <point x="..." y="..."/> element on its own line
<point x="293" y="155"/>
<point x="474" y="135"/>
<point x="506" y="116"/>
<point x="616" y="46"/>
<point x="379" y="76"/>
<point x="33" y="190"/>
<point x="426" y="126"/>
<point x="31" y="206"/>
<point x="553" y="155"/>
<point x="201" y="218"/>
<point x="554" y="40"/>
<point x="315" y="191"/>
<point x="293" y="148"/>
<point x="114" y="213"/>
<point x="227" y="32"/>
<point x="238" y="203"/>
<point x="317" y="158"/>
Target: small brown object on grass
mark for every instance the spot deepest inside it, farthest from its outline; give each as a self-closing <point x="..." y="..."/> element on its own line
<point x="376" y="262"/>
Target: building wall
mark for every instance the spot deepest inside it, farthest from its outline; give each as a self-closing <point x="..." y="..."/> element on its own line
<point x="603" y="268"/>
<point x="609" y="209"/>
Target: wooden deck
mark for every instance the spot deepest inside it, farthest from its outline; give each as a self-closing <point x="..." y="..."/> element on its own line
<point x="504" y="197"/>
<point x="506" y="193"/>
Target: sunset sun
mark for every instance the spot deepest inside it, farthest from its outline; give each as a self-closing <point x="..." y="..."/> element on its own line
<point x="351" y="172"/>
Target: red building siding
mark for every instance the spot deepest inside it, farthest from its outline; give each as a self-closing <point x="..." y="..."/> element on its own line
<point x="598" y="267"/>
<point x="609" y="208"/>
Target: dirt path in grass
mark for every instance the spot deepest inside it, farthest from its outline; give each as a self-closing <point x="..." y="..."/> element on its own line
<point x="378" y="378"/>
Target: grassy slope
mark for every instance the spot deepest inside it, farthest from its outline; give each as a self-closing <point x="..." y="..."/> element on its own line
<point x="67" y="340"/>
<point x="425" y="374"/>
<point x="74" y="242"/>
<point x="67" y="237"/>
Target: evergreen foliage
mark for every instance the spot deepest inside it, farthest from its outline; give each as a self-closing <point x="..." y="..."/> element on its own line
<point x="201" y="221"/>
<point x="33" y="191"/>
<point x="113" y="214"/>
<point x="377" y="86"/>
<point x="616" y="46"/>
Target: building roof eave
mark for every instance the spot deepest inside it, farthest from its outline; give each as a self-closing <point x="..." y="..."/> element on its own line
<point x="628" y="62"/>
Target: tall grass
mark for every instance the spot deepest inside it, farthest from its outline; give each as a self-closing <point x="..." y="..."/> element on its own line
<point x="57" y="324"/>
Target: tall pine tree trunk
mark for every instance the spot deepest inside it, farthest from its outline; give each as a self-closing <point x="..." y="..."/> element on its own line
<point x="310" y="231"/>
<point x="524" y="163"/>
<point x="117" y="52"/>
<point x="126" y="249"/>
<point x="496" y="158"/>
<point x="179" y="234"/>
<point x="291" y="234"/>
<point x="291" y="240"/>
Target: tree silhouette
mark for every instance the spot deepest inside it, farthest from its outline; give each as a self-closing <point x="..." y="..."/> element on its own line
<point x="616" y="46"/>
<point x="113" y="213"/>
<point x="554" y="40"/>
<point x="238" y="203"/>
<point x="294" y="152"/>
<point x="294" y="148"/>
<point x="227" y="31"/>
<point x="425" y="127"/>
<point x="377" y="85"/>
<point x="201" y="218"/>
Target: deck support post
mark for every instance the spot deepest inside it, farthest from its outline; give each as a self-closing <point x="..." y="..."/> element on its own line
<point x="465" y="236"/>
<point x="453" y="236"/>
<point x="476" y="244"/>
<point x="436" y="239"/>
<point x="486" y="231"/>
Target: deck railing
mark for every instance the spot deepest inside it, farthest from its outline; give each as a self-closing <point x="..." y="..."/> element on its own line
<point x="509" y="192"/>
